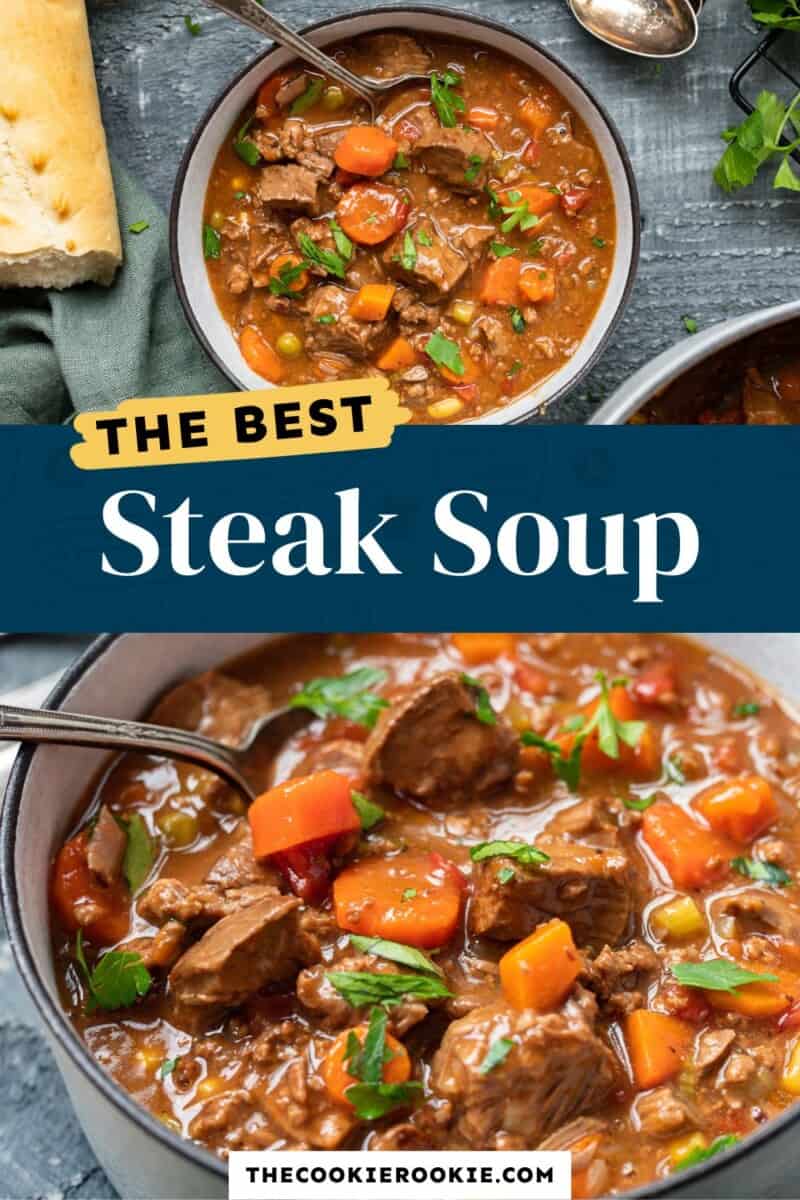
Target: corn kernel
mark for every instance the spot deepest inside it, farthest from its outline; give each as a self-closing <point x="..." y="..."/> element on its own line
<point x="462" y="311"/>
<point x="683" y="1147"/>
<point x="790" y="1080"/>
<point x="445" y="410"/>
<point x="679" y="918"/>
<point x="238" y="184"/>
<point x="170" y="1122"/>
<point x="212" y="1085"/>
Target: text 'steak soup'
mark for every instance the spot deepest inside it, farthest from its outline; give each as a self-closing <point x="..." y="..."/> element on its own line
<point x="460" y="247"/>
<point x="500" y="892"/>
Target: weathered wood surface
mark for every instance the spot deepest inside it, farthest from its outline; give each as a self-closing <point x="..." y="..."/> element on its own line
<point x="703" y="254"/>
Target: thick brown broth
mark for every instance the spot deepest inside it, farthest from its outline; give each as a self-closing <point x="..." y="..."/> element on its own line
<point x="251" y="1076"/>
<point x="509" y="335"/>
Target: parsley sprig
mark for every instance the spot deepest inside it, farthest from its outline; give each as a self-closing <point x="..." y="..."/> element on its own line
<point x="349" y="696"/>
<point x="483" y="704"/>
<point x="445" y="353"/>
<point x="447" y="102"/>
<point x="331" y="261"/>
<point x="282" y="283"/>
<point x="397" y="952"/>
<point x="117" y="980"/>
<point x="371" y="1097"/>
<point x="517" y="214"/>
<point x="778" y="14"/>
<point x="529" y="856"/>
<point x="762" y="872"/>
<point x="245" y="147"/>
<point x="717" y="975"/>
<point x="759" y="140"/>
<point x="374" y="987"/>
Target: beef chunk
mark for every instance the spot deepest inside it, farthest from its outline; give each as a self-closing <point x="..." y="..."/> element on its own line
<point x="434" y="269"/>
<point x="289" y="186"/>
<point x="620" y="977"/>
<point x="557" y="1068"/>
<point x="290" y="90"/>
<point x="396" y="54"/>
<point x="498" y="336"/>
<point x="587" y="820"/>
<point x="346" y="335"/>
<point x="759" y="912"/>
<point x="316" y="993"/>
<point x="106" y="848"/>
<point x="171" y="900"/>
<point x="712" y="1047"/>
<point x="472" y="239"/>
<point x="260" y="944"/>
<point x="413" y="314"/>
<point x="430" y="744"/>
<point x="587" y="887"/>
<point x="163" y="949"/>
<point x="237" y="867"/>
<point x="339" y="754"/>
<point x="662" y="1113"/>
<point x="459" y="157"/>
<point x="213" y="704"/>
<point x="268" y="238"/>
<point x="311" y="148"/>
<point x="300" y="1104"/>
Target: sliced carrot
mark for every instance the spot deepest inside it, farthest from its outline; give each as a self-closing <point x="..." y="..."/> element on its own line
<point x="539" y="200"/>
<point x="535" y="115"/>
<point x="73" y="887"/>
<point x="398" y="355"/>
<point x="369" y="898"/>
<point x="539" y="971"/>
<point x="484" y="647"/>
<point x="481" y="116"/>
<point x="370" y="213"/>
<point x="693" y="856"/>
<point x="289" y="260"/>
<point x="500" y="280"/>
<point x="738" y="808"/>
<point x="371" y="302"/>
<point x="759" y="999"/>
<point x="302" y="810"/>
<point x="657" y="1046"/>
<point x="641" y="760"/>
<point x="259" y="355"/>
<point x="537" y="284"/>
<point x="365" y="150"/>
<point x="334" y="1065"/>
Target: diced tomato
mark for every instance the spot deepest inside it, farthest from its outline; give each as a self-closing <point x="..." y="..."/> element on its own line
<point x="575" y="199"/>
<point x="448" y="870"/>
<point x="531" y="680"/>
<point x="308" y="868"/>
<point x="656" y="685"/>
<point x="791" y="1018"/>
<point x="345" y="178"/>
<point x="532" y="153"/>
<point x="82" y="901"/>
<point x="469" y="392"/>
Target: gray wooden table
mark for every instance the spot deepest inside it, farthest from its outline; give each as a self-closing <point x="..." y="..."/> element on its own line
<point x="703" y="254"/>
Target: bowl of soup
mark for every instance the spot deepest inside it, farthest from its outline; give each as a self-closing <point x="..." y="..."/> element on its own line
<point x="475" y="246"/>
<point x="554" y="875"/>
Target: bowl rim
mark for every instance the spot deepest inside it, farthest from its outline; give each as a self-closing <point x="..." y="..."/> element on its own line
<point x="59" y="1028"/>
<point x="682" y="356"/>
<point x="495" y="416"/>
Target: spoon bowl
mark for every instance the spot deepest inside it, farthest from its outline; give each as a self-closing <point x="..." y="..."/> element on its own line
<point x="649" y="28"/>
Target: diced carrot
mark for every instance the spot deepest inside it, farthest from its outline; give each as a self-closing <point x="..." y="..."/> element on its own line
<point x="641" y="760"/>
<point x="289" y="260"/>
<point x="471" y="370"/>
<point x="539" y="971"/>
<point x="259" y="355"/>
<point x="540" y="200"/>
<point x="738" y="808"/>
<point x="365" y="150"/>
<point x="759" y="999"/>
<point x="73" y="888"/>
<point x="481" y="116"/>
<point x="537" y="284"/>
<point x="657" y="1046"/>
<point x="368" y="898"/>
<point x="302" y="810"/>
<point x="500" y="281"/>
<point x="370" y="213"/>
<point x="398" y="355"/>
<point x="334" y="1065"/>
<point x="484" y="647"/>
<point x="692" y="856"/>
<point x="371" y="302"/>
<point x="535" y="115"/>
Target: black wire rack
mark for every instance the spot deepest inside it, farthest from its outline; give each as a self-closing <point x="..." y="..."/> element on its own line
<point x="768" y="67"/>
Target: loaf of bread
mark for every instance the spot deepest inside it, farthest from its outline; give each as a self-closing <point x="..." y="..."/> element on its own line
<point x="58" y="216"/>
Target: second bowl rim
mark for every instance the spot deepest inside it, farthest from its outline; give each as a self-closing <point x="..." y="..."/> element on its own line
<point x="388" y="11"/>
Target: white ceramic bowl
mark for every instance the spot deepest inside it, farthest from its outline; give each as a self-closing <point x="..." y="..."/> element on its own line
<point x="122" y="676"/>
<point x="660" y="372"/>
<point x="186" y="217"/>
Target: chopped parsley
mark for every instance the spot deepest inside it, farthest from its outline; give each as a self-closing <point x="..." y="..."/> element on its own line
<point x="501" y="251"/>
<point x="240" y="195"/>
<point x="536" y="246"/>
<point x="245" y="147"/>
<point x="778" y="14"/>
<point x="167" y="1067"/>
<point x="758" y="139"/>
<point x="408" y="258"/>
<point x="505" y="875"/>
<point x="701" y="1154"/>
<point x="748" y="708"/>
<point x="474" y="164"/>
<point x="371" y="1098"/>
<point x="349" y="696"/>
<point x="495" y="208"/>
<point x="409" y="894"/>
<point x="139" y="856"/>
<point x="332" y="262"/>
<point x="483" y="705"/>
<point x="369" y="813"/>
<point x="342" y="242"/>
<point x="672" y="766"/>
<point x="193" y="26"/>
<point x="327" y="319"/>
<point x="281" y="284"/>
<point x="763" y="872"/>
<point x="689" y="324"/>
<point x="372" y="987"/>
<point x="400" y="161"/>
<point x="445" y="100"/>
<point x="118" y="979"/>
<point x="717" y="975"/>
<point x="407" y="956"/>
<point x="212" y="243"/>
<point x="517" y="214"/>
<point x="308" y="98"/>
<point x="638" y="803"/>
<point x="495" y="1055"/>
<point x="529" y="856"/>
<point x="424" y="238"/>
<point x="599" y="242"/>
<point x="138" y="227"/>
<point x="445" y="353"/>
<point x="517" y="319"/>
<point x="514" y="369"/>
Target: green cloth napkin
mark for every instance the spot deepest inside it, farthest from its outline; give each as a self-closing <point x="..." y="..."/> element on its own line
<point x="90" y="347"/>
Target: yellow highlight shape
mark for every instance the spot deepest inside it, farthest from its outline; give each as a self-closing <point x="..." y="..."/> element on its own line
<point x="316" y="418"/>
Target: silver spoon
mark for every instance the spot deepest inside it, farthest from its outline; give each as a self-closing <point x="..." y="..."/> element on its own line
<point x="251" y="13"/>
<point x="110" y="733"/>
<point x="650" y="28"/>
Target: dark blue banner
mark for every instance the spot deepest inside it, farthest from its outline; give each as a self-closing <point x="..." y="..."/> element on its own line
<point x="530" y="528"/>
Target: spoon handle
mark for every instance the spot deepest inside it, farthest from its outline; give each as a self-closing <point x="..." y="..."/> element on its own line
<point x="104" y="733"/>
<point x="252" y="14"/>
